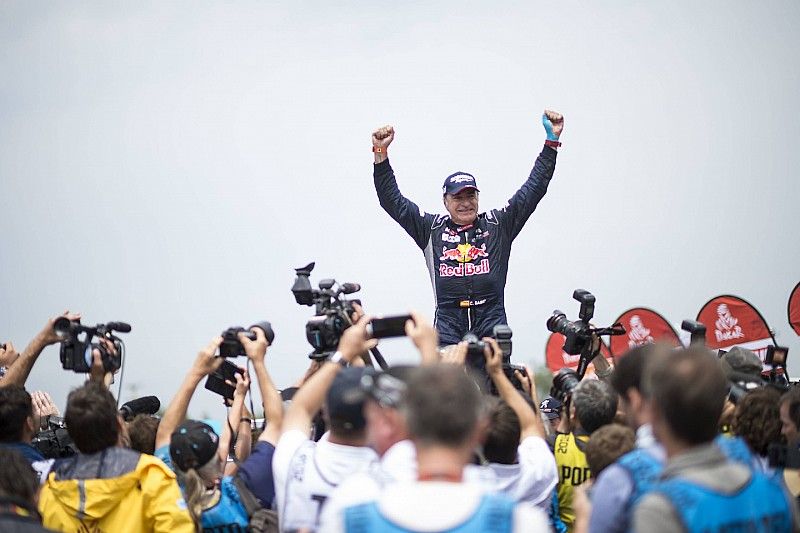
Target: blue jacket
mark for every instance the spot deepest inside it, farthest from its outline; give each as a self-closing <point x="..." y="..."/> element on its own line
<point x="468" y="265"/>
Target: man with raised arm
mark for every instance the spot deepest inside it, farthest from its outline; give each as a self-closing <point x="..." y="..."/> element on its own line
<point x="466" y="251"/>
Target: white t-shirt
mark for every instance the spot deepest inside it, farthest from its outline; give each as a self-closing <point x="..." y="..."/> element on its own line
<point x="531" y="480"/>
<point x="424" y="506"/>
<point x="306" y="472"/>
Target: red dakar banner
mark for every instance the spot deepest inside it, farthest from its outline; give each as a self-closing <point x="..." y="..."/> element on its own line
<point x="794" y="309"/>
<point x="556" y="358"/>
<point x="731" y="321"/>
<point x="642" y="326"/>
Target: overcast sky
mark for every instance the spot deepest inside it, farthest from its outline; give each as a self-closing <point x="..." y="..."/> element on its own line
<point x="168" y="164"/>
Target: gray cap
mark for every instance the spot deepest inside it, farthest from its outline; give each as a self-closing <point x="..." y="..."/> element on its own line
<point x="740" y="362"/>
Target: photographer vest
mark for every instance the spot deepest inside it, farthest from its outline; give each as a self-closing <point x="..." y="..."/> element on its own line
<point x="494" y="514"/>
<point x="573" y="469"/>
<point x="759" y="506"/>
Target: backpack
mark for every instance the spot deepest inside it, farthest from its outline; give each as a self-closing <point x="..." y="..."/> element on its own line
<point x="262" y="520"/>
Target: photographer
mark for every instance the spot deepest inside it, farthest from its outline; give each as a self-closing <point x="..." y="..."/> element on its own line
<point x="700" y="489"/>
<point x="18" y="372"/>
<point x="107" y="487"/>
<point x="19" y="424"/>
<point x="307" y="472"/>
<point x="591" y="405"/>
<point x="443" y="409"/>
<point x="520" y="464"/>
<point x="199" y="455"/>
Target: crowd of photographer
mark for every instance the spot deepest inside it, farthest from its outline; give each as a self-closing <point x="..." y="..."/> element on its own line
<point x="666" y="440"/>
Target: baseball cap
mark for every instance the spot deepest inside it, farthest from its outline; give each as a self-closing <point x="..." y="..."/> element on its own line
<point x="741" y="363"/>
<point x="457" y="182"/>
<point x="345" y="399"/>
<point x="550" y="407"/>
<point x="192" y="445"/>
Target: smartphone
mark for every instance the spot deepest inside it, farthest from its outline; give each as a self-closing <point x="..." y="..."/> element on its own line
<point x="389" y="326"/>
<point x="216" y="381"/>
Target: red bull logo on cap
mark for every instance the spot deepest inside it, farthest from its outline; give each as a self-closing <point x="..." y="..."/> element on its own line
<point x="463" y="253"/>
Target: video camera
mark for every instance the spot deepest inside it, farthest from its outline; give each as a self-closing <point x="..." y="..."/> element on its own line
<point x="332" y="310"/>
<point x="580" y="335"/>
<point x="77" y="345"/>
<point x="54" y="442"/>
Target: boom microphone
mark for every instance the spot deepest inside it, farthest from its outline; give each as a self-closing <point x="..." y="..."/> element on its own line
<point x="122" y="327"/>
<point x="145" y="405"/>
<point x="350" y="288"/>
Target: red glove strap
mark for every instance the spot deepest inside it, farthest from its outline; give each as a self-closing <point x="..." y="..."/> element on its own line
<point x="552" y="144"/>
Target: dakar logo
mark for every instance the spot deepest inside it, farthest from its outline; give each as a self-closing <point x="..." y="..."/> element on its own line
<point x="463" y="253"/>
<point x="728" y="327"/>
<point x="638" y="334"/>
<point x="464" y="269"/>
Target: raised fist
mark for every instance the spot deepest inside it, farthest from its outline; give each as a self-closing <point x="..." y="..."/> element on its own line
<point x="383" y="137"/>
<point x="553" y="124"/>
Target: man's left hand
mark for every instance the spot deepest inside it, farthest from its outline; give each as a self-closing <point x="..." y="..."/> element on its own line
<point x="553" y="124"/>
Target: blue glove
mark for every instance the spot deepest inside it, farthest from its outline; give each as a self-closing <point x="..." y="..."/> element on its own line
<point x="548" y="128"/>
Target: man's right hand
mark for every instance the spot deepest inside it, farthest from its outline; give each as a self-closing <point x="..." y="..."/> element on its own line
<point x="354" y="341"/>
<point x="381" y="139"/>
<point x="255" y="349"/>
<point x="207" y="361"/>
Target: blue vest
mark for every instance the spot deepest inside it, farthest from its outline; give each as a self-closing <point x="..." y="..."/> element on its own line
<point x="760" y="506"/>
<point x="644" y="470"/>
<point x="735" y="449"/>
<point x="228" y="514"/>
<point x="493" y="515"/>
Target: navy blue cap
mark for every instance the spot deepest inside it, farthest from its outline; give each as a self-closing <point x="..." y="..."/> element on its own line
<point x="455" y="183"/>
<point x="192" y="445"/>
<point x="345" y="399"/>
<point x="551" y="407"/>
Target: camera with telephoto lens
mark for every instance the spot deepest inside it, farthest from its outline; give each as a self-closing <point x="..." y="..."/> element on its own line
<point x="332" y="310"/>
<point x="580" y="335"/>
<point x="231" y="346"/>
<point x="77" y="345"/>
<point x="54" y="442"/>
<point x="564" y="382"/>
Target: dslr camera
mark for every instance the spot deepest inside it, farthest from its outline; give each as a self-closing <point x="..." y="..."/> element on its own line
<point x="502" y="334"/>
<point x="332" y="310"/>
<point x="231" y="345"/>
<point x="580" y="335"/>
<point x="77" y="345"/>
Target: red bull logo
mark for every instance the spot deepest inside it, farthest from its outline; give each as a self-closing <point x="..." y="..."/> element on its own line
<point x="464" y="253"/>
<point x="464" y="269"/>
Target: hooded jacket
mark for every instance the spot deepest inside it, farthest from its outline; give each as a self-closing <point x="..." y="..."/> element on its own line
<point x="114" y="490"/>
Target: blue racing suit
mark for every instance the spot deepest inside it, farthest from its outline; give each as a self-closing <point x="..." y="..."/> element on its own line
<point x="467" y="264"/>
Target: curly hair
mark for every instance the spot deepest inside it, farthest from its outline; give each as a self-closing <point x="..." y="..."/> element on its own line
<point x="757" y="419"/>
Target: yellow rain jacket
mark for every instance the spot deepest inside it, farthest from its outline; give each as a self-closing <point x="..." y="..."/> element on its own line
<point x="113" y="491"/>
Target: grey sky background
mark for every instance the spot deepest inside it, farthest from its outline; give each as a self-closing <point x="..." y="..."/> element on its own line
<point x="169" y="164"/>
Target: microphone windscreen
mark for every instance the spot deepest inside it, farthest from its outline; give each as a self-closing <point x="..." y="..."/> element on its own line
<point x="144" y="405"/>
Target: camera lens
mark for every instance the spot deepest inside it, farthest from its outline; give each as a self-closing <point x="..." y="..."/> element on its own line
<point x="557" y="322"/>
<point x="62" y="326"/>
<point x="564" y="382"/>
